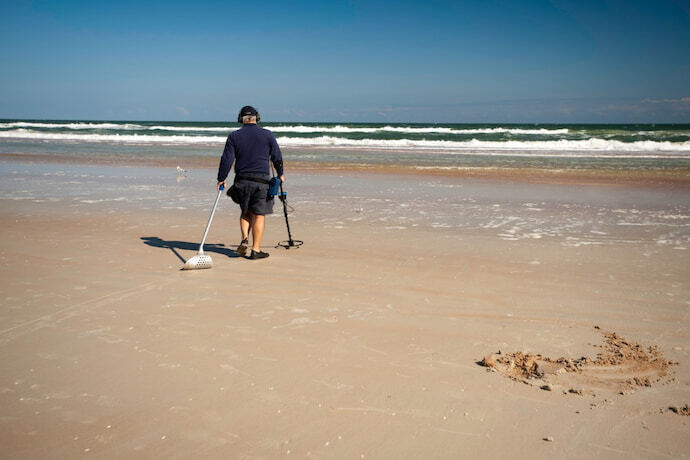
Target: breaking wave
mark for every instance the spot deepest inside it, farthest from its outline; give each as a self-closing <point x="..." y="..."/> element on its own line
<point x="592" y="144"/>
<point x="111" y="138"/>
<point x="75" y="125"/>
<point x="413" y="130"/>
<point x="471" y="145"/>
<point x="289" y="128"/>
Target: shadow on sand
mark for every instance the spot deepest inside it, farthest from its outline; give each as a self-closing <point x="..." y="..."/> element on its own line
<point x="186" y="246"/>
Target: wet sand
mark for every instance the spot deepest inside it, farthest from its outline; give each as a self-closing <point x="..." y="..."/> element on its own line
<point x="366" y="342"/>
<point x="665" y="177"/>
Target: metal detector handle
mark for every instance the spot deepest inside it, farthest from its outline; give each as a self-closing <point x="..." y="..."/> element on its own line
<point x="282" y="195"/>
<point x="208" y="226"/>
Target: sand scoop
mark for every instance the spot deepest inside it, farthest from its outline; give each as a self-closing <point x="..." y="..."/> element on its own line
<point x="201" y="260"/>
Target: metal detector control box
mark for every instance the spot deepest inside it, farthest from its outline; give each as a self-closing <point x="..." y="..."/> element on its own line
<point x="274" y="187"/>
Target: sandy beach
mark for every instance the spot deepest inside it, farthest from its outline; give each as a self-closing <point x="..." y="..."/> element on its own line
<point x="426" y="316"/>
<point x="491" y="205"/>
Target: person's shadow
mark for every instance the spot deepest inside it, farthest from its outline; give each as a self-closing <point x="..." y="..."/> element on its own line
<point x="186" y="246"/>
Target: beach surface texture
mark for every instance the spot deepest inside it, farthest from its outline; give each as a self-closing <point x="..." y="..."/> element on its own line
<point x="466" y="301"/>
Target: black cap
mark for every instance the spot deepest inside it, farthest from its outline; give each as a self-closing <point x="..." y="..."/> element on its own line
<point x="248" y="110"/>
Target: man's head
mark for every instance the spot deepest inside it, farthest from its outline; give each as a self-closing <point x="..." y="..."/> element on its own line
<point x="248" y="114"/>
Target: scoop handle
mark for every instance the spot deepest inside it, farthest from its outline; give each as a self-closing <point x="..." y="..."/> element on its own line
<point x="208" y="226"/>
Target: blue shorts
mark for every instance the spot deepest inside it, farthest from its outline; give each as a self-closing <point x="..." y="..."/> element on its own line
<point x="254" y="197"/>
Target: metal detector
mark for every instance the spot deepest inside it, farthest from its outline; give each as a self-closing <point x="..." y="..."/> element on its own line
<point x="289" y="243"/>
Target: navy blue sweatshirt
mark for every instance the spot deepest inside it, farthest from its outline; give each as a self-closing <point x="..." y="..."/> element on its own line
<point x="251" y="147"/>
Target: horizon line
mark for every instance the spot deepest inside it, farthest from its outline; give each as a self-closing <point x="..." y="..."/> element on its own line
<point x="350" y="122"/>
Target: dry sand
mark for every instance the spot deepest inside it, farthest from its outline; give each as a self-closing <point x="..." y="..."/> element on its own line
<point x="364" y="343"/>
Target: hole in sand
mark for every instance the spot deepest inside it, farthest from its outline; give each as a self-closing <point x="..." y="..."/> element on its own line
<point x="620" y="366"/>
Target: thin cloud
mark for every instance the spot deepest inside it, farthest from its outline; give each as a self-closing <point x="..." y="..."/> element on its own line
<point x="650" y="108"/>
<point x="680" y="100"/>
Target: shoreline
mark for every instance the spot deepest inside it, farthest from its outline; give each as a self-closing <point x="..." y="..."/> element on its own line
<point x="678" y="177"/>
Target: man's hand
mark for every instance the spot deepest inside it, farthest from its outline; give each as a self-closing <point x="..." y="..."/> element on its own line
<point x="282" y="178"/>
<point x="219" y="184"/>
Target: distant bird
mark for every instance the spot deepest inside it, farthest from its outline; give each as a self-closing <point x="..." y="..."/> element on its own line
<point x="181" y="172"/>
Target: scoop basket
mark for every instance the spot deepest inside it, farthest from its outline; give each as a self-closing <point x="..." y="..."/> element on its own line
<point x="198" y="262"/>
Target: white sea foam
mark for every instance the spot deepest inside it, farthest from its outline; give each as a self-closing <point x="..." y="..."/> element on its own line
<point x="114" y="138"/>
<point x="412" y="130"/>
<point x="592" y="144"/>
<point x="603" y="147"/>
<point x="303" y="129"/>
<point x="215" y="129"/>
<point x="287" y="128"/>
<point x="31" y="124"/>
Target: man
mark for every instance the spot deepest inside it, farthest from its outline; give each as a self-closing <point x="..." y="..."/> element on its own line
<point x="250" y="148"/>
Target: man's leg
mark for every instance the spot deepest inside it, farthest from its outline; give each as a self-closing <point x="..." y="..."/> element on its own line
<point x="245" y="222"/>
<point x="244" y="227"/>
<point x="258" y="224"/>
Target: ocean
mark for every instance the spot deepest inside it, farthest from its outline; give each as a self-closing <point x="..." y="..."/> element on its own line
<point x="614" y="146"/>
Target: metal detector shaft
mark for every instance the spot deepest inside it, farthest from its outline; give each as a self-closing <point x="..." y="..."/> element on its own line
<point x="208" y="226"/>
<point x="283" y="198"/>
<point x="289" y="243"/>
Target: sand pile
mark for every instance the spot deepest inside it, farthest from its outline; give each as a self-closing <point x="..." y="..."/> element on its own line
<point x="620" y="366"/>
<point x="682" y="410"/>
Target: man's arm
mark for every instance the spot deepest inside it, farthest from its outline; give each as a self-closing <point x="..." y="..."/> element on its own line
<point x="276" y="157"/>
<point x="226" y="160"/>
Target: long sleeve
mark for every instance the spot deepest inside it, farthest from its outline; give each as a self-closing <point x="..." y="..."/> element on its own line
<point x="226" y="160"/>
<point x="276" y="155"/>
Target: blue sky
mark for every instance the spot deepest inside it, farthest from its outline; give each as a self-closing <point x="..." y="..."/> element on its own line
<point x="403" y="61"/>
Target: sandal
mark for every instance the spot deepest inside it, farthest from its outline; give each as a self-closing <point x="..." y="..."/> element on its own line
<point x="242" y="248"/>
<point x="258" y="255"/>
